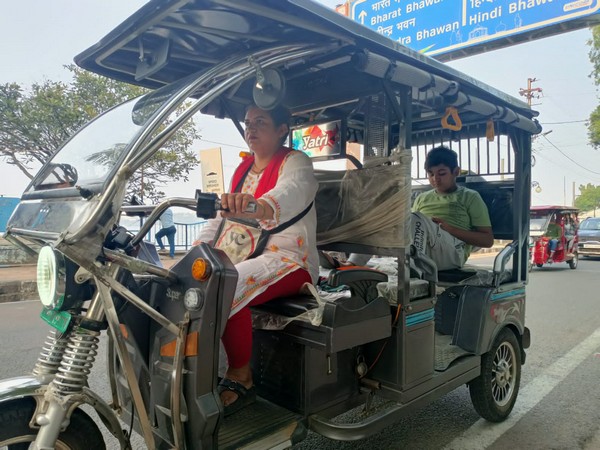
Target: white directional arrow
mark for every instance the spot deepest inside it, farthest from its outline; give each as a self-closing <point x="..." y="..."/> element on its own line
<point x="362" y="16"/>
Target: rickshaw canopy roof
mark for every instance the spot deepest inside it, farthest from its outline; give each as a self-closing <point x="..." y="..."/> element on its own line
<point x="554" y="208"/>
<point x="167" y="40"/>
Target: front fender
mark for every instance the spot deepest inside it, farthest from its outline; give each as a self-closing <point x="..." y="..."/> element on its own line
<point x="29" y="386"/>
<point x="20" y="387"/>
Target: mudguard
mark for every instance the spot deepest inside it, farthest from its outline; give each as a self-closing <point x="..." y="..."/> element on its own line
<point x="29" y="386"/>
<point x="19" y="387"/>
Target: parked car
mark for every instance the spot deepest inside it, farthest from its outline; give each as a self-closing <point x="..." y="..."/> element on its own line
<point x="589" y="237"/>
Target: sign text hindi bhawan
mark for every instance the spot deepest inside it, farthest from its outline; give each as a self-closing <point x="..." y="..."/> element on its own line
<point x="436" y="27"/>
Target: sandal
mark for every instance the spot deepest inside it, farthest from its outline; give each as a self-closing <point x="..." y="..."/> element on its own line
<point x="246" y="396"/>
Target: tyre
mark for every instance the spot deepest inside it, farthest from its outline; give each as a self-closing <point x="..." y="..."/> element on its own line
<point x="538" y="265"/>
<point x="495" y="391"/>
<point x="15" y="433"/>
<point x="573" y="262"/>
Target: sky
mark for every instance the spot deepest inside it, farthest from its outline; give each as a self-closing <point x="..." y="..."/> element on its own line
<point x="40" y="37"/>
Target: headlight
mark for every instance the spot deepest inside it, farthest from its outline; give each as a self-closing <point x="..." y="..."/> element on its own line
<point x="193" y="299"/>
<point x="51" y="278"/>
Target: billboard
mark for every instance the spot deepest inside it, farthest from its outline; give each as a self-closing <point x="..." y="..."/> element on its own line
<point x="211" y="165"/>
<point x="462" y="27"/>
<point x="323" y="139"/>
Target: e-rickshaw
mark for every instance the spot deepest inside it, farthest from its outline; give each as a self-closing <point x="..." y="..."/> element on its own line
<point x="406" y="337"/>
<point x="553" y="234"/>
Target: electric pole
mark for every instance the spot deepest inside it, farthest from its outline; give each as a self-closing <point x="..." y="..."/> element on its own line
<point x="530" y="92"/>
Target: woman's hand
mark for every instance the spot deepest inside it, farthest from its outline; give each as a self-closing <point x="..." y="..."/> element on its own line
<point x="236" y="204"/>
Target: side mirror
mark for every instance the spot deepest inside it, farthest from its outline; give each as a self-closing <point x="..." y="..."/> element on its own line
<point x="269" y="90"/>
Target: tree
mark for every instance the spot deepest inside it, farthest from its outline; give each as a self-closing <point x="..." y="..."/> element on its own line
<point x="34" y="122"/>
<point x="589" y="197"/>
<point x="594" y="55"/>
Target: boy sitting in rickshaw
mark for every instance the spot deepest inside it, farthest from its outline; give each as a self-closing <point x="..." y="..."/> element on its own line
<point x="447" y="221"/>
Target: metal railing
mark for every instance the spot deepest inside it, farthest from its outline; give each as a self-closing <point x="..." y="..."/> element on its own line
<point x="186" y="234"/>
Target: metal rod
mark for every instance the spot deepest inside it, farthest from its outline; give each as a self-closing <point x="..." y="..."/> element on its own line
<point x="117" y="336"/>
<point x="138" y="302"/>
<point x="13" y="240"/>
<point x="176" y="379"/>
<point x="95" y="310"/>
<point x="134" y="159"/>
<point x="189" y="203"/>
<point x="138" y="266"/>
<point x="43" y="235"/>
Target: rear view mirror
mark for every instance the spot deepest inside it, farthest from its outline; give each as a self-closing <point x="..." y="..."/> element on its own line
<point x="269" y="90"/>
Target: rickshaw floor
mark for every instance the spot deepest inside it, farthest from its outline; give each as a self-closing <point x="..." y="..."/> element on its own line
<point x="445" y="352"/>
<point x="255" y="421"/>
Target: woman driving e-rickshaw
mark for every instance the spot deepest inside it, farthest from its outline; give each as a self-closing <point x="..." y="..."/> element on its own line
<point x="553" y="231"/>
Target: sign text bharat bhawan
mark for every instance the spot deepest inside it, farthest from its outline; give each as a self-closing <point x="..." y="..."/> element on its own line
<point x="436" y="27"/>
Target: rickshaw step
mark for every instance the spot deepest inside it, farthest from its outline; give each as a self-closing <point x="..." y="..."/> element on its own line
<point x="259" y="425"/>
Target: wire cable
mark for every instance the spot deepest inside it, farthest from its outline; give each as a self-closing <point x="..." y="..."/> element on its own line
<point x="563" y="123"/>
<point x="569" y="158"/>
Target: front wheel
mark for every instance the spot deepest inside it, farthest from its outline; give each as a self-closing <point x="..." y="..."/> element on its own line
<point x="16" y="434"/>
<point x="574" y="261"/>
<point x="494" y="392"/>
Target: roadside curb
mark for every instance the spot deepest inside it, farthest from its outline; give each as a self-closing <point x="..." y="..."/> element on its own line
<point x="15" y="291"/>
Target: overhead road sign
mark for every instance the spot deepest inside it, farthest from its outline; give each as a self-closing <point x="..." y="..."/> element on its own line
<point x="448" y="29"/>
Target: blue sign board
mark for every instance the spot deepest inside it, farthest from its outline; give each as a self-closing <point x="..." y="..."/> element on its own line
<point x="7" y="206"/>
<point x="435" y="27"/>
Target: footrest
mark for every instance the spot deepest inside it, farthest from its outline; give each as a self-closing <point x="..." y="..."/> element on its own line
<point x="289" y="306"/>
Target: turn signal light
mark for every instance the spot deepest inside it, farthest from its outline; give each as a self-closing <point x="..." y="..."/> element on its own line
<point x="201" y="269"/>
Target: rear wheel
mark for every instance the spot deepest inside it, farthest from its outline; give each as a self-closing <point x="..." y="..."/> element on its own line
<point x="573" y="262"/>
<point x="495" y="391"/>
<point x="539" y="265"/>
<point x="16" y="434"/>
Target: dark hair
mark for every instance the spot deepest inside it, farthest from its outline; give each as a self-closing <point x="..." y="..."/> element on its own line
<point x="280" y="114"/>
<point x="441" y="155"/>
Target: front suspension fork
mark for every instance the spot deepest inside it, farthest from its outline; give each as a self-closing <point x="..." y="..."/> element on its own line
<point x="78" y="351"/>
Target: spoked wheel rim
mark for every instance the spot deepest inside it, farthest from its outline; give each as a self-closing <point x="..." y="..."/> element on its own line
<point x="504" y="374"/>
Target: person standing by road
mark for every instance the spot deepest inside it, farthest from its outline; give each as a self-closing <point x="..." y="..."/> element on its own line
<point x="167" y="229"/>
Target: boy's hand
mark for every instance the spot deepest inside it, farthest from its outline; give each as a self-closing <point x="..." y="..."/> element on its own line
<point x="442" y="223"/>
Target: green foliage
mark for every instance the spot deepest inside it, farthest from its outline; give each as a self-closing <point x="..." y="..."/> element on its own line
<point x="589" y="197"/>
<point x="35" y="121"/>
<point x="594" y="55"/>
<point x="594" y="127"/>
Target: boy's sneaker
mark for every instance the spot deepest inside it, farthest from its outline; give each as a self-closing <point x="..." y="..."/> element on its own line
<point x="163" y="251"/>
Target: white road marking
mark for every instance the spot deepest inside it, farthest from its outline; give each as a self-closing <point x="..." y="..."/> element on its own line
<point x="483" y="434"/>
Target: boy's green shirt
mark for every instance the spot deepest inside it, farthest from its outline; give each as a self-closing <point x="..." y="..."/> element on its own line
<point x="463" y="208"/>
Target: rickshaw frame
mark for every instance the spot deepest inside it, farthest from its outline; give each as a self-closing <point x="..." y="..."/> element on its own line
<point x="415" y="92"/>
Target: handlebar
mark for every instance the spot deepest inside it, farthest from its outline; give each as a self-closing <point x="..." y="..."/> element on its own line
<point x="207" y="205"/>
